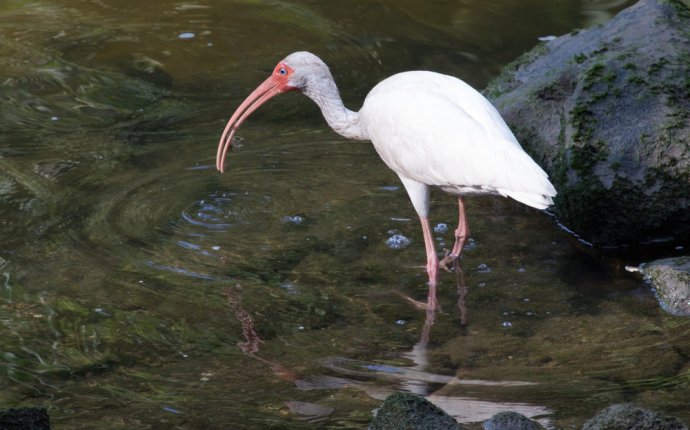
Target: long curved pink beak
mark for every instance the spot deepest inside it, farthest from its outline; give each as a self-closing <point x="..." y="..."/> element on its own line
<point x="269" y="88"/>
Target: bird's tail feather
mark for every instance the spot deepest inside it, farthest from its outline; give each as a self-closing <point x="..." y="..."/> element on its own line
<point x="538" y="201"/>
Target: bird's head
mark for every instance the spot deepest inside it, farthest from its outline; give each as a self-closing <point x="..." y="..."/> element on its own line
<point x="298" y="71"/>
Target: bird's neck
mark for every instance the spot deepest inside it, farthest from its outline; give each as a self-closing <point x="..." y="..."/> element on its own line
<point x="342" y="120"/>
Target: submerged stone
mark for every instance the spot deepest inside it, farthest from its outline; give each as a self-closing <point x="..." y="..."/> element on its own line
<point x="670" y="278"/>
<point x="24" y="419"/>
<point x="511" y="421"/>
<point x="627" y="416"/>
<point x="411" y="412"/>
<point x="606" y="112"/>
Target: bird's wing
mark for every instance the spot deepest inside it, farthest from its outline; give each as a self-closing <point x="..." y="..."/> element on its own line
<point x="437" y="130"/>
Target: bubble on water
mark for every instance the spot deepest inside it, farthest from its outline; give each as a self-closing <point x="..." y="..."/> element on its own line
<point x="400" y="322"/>
<point x="470" y="245"/>
<point x="441" y="228"/>
<point x="383" y="368"/>
<point x="483" y="268"/>
<point x="172" y="410"/>
<point x="506" y="324"/>
<point x="398" y="241"/>
<point x="481" y="284"/>
<point x="215" y="248"/>
<point x="186" y="35"/>
<point x="100" y="311"/>
<point x="54" y="118"/>
<point x="522" y="270"/>
<point x="300" y="328"/>
<point x="526" y="299"/>
<point x="188" y="245"/>
<point x="294" y="219"/>
<point x="289" y="287"/>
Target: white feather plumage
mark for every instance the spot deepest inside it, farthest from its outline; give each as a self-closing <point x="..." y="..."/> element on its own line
<point x="437" y="130"/>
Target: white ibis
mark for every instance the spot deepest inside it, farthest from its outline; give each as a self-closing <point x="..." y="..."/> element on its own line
<point x="430" y="129"/>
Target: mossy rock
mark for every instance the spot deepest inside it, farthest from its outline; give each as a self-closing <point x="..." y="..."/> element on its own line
<point x="606" y="112"/>
<point x="627" y="416"/>
<point x="407" y="411"/>
<point x="670" y="278"/>
<point x="511" y="421"/>
<point x="24" y="419"/>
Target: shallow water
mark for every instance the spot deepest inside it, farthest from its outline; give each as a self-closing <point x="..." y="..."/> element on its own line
<point x="140" y="288"/>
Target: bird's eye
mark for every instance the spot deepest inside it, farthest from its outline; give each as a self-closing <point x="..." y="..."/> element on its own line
<point x="282" y="71"/>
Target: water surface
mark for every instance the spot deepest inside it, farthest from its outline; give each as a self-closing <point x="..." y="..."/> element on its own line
<point x="140" y="288"/>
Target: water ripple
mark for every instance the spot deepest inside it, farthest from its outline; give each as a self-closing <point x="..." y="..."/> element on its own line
<point x="214" y="213"/>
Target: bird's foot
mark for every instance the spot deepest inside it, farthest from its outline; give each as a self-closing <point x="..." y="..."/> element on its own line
<point x="448" y="259"/>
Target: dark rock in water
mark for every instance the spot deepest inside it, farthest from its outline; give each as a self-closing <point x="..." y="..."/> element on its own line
<point x="24" y="419"/>
<point x="630" y="417"/>
<point x="606" y="112"/>
<point x="406" y="411"/>
<point x="511" y="421"/>
<point x="670" y="279"/>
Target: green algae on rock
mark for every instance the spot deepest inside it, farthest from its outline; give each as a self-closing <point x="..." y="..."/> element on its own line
<point x="630" y="417"/>
<point x="606" y="112"/>
<point x="412" y="412"/>
<point x="511" y="420"/>
<point x="670" y="278"/>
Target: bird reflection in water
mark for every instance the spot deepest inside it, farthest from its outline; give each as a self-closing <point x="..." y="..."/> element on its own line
<point x="367" y="376"/>
<point x="253" y="342"/>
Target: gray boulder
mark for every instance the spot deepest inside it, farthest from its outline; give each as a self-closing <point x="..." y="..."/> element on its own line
<point x="511" y="421"/>
<point x="606" y="112"/>
<point x="670" y="279"/>
<point x="407" y="411"/>
<point x="627" y="416"/>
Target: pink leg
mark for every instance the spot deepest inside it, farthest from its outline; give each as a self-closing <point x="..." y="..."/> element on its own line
<point x="462" y="233"/>
<point x="431" y="262"/>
